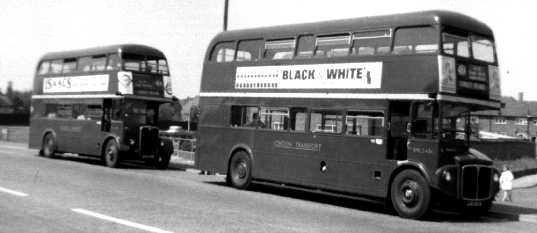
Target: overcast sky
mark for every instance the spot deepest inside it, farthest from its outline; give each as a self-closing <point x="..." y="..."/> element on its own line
<point x="182" y="29"/>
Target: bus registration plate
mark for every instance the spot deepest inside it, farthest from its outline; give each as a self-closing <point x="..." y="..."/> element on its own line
<point x="474" y="203"/>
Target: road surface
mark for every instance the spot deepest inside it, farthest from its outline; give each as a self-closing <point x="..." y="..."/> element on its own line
<point x="72" y="194"/>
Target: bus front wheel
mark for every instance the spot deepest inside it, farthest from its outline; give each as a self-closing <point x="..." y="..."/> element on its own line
<point x="48" y="147"/>
<point x="111" y="154"/>
<point x="240" y="170"/>
<point x="410" y="194"/>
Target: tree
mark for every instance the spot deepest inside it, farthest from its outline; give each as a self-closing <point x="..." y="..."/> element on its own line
<point x="9" y="89"/>
<point x="170" y="111"/>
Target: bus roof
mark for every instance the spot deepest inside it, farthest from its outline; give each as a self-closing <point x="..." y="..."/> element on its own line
<point x="125" y="48"/>
<point x="345" y="25"/>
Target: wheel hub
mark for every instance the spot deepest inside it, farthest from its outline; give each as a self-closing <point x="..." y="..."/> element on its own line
<point x="241" y="170"/>
<point x="410" y="193"/>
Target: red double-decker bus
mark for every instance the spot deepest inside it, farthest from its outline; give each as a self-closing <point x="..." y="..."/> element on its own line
<point x="103" y="102"/>
<point x="375" y="107"/>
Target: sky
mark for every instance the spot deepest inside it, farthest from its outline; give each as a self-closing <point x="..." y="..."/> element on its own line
<point x="182" y="29"/>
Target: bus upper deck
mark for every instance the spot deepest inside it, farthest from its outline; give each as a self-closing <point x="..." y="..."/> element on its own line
<point x="423" y="55"/>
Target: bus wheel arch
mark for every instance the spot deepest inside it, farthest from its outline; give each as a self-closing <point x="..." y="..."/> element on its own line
<point x="409" y="192"/>
<point x="110" y="152"/>
<point x="239" y="169"/>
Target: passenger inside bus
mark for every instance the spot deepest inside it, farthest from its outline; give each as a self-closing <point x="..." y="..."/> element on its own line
<point x="255" y="122"/>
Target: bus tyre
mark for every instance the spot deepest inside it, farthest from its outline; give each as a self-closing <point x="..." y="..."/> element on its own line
<point x="48" y="147"/>
<point x="240" y="170"/>
<point x="111" y="154"/>
<point x="410" y="194"/>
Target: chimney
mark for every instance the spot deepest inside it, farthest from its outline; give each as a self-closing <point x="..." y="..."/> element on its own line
<point x="521" y="96"/>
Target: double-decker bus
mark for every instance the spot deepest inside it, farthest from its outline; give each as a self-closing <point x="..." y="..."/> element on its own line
<point x="102" y="101"/>
<point x="375" y="107"/>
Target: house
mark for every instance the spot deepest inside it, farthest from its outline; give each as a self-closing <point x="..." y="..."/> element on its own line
<point x="517" y="119"/>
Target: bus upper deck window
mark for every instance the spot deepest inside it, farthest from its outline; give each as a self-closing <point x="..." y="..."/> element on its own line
<point x="306" y="44"/>
<point x="163" y="66"/>
<point x="223" y="52"/>
<point x="98" y="63"/>
<point x="44" y="67"/>
<point x="151" y="66"/>
<point x="56" y="66"/>
<point x="332" y="46"/>
<point x="371" y="42"/>
<point x="415" y="40"/>
<point x="113" y="62"/>
<point x="279" y="49"/>
<point x="454" y="44"/>
<point x="69" y="65"/>
<point x="249" y="50"/>
<point x="134" y="62"/>
<point x="482" y="49"/>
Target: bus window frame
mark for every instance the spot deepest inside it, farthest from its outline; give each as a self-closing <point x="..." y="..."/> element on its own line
<point x="260" y="52"/>
<point x="384" y="122"/>
<point x="326" y="35"/>
<point x="413" y="52"/>
<point x="355" y="40"/>
<point x="213" y="55"/>
<point x="339" y="111"/>
<point x="469" y="34"/>
<point x="267" y="43"/>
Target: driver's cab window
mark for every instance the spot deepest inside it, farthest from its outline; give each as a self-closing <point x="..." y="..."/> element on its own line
<point x="423" y="122"/>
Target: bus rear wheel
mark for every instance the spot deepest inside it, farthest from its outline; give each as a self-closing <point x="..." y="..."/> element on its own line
<point x="410" y="194"/>
<point x="240" y="170"/>
<point x="48" y="146"/>
<point x="111" y="154"/>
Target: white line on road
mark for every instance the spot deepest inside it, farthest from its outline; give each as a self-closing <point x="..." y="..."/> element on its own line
<point x="120" y="221"/>
<point x="13" y="192"/>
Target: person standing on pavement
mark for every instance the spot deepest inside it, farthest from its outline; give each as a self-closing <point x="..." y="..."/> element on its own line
<point x="506" y="183"/>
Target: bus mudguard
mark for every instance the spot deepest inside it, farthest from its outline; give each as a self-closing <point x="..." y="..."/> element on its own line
<point x="241" y="146"/>
<point x="408" y="164"/>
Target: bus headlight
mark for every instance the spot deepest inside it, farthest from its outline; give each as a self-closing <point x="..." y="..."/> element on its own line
<point x="495" y="177"/>
<point x="124" y="82"/>
<point x="447" y="175"/>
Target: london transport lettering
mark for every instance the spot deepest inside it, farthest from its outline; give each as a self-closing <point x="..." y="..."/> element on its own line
<point x="365" y="75"/>
<point x="68" y="84"/>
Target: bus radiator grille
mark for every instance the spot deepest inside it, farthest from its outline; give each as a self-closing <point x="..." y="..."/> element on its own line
<point x="476" y="182"/>
<point x="149" y="137"/>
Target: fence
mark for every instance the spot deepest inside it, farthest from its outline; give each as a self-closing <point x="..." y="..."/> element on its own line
<point x="14" y="133"/>
<point x="505" y="149"/>
<point x="184" y="147"/>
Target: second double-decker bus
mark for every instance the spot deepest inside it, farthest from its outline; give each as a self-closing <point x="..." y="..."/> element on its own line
<point x="375" y="107"/>
<point x="103" y="102"/>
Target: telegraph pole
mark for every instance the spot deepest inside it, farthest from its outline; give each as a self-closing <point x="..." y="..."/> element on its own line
<point x="226" y="6"/>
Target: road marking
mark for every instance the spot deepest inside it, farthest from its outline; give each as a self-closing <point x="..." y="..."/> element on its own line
<point x="13" y="192"/>
<point x="120" y="221"/>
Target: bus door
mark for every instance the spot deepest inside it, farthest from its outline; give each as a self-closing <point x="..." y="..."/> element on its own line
<point x="362" y="152"/>
<point x="397" y="130"/>
<point x="423" y="145"/>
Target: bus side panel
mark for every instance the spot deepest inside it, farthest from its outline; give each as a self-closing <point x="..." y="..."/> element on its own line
<point x="362" y="166"/>
<point x="216" y="144"/>
<point x="37" y="128"/>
